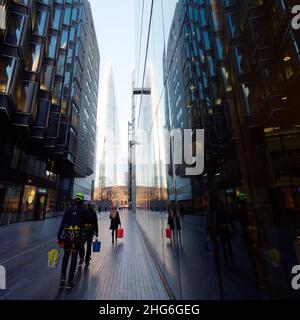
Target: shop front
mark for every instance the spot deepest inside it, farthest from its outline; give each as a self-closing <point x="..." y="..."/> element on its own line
<point x="25" y="203"/>
<point x="28" y="203"/>
<point x="10" y="196"/>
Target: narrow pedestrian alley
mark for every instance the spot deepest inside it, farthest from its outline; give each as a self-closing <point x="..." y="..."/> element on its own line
<point x="121" y="271"/>
<point x="144" y="265"/>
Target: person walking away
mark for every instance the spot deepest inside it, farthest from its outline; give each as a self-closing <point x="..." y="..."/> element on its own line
<point x="178" y="220"/>
<point x="115" y="223"/>
<point x="171" y="223"/>
<point x="90" y="231"/>
<point x="70" y="236"/>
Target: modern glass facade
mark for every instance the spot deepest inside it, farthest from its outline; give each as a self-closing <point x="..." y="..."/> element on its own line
<point x="150" y="148"/>
<point x="176" y="111"/>
<point x="46" y="76"/>
<point x="243" y="66"/>
<point x="232" y="69"/>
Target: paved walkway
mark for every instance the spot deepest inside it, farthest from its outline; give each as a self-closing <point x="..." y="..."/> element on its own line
<point x="121" y="271"/>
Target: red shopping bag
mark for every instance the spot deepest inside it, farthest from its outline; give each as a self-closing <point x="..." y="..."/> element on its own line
<point x="120" y="233"/>
<point x="168" y="233"/>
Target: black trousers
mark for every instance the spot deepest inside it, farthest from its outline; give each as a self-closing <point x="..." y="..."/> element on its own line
<point x="114" y="233"/>
<point x="88" y="252"/>
<point x="74" y="257"/>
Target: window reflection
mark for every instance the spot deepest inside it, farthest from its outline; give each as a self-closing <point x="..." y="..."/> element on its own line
<point x="26" y="94"/>
<point x="3" y="14"/>
<point x="33" y="59"/>
<point x="6" y="71"/>
<point x="67" y="16"/>
<point x="242" y="58"/>
<point x="42" y="113"/>
<point x="253" y="97"/>
<point x="52" y="46"/>
<point x="64" y="39"/>
<point x="57" y="92"/>
<point x="40" y="25"/>
<point x="53" y="125"/>
<point x="234" y="25"/>
<point x="65" y="105"/>
<point x="56" y="18"/>
<point x="61" y="65"/>
<point x="46" y="77"/>
<point x="15" y="29"/>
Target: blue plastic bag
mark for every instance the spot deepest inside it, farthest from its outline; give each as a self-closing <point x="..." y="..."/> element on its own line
<point x="96" y="246"/>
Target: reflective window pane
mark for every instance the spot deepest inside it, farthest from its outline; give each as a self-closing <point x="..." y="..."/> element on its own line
<point x="6" y="72"/>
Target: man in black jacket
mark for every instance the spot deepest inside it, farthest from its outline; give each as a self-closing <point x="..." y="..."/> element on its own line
<point x="90" y="230"/>
<point x="70" y="238"/>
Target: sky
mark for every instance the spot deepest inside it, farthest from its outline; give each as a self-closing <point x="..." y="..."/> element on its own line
<point x="115" y="28"/>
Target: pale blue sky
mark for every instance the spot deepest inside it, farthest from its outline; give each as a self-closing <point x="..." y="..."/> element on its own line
<point x="114" y="23"/>
<point x="117" y="28"/>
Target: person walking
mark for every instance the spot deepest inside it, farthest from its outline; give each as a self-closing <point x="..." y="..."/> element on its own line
<point x="178" y="220"/>
<point x="171" y="223"/>
<point x="115" y="223"/>
<point x="70" y="238"/>
<point x="90" y="230"/>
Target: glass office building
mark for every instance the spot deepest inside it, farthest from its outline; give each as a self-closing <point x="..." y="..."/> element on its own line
<point x="49" y="81"/>
<point x="176" y="111"/>
<point x="232" y="69"/>
<point x="150" y="147"/>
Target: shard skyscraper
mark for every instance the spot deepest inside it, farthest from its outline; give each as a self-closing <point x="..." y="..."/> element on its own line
<point x="108" y="157"/>
<point x="151" y="181"/>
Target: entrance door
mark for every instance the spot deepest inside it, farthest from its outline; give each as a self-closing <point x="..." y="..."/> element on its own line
<point x="41" y="207"/>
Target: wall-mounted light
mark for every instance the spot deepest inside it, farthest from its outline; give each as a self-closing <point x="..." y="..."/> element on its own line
<point x="286" y="58"/>
<point x="284" y="98"/>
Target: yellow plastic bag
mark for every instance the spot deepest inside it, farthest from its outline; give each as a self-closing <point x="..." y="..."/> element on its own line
<point x="53" y="258"/>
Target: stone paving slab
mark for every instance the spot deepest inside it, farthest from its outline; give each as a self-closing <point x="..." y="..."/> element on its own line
<point x="119" y="272"/>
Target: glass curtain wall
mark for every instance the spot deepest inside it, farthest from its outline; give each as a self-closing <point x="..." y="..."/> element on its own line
<point x="229" y="68"/>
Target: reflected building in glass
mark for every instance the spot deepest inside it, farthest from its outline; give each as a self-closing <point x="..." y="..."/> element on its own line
<point x="49" y="86"/>
<point x="236" y="70"/>
<point x="176" y="111"/>
<point x="150" y="147"/>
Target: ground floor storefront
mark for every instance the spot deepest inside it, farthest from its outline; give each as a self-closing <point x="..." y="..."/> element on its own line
<point x="20" y="203"/>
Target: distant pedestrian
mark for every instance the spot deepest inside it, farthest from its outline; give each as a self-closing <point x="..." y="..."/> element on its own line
<point x="70" y="238"/>
<point x="115" y="223"/>
<point x="178" y="220"/>
<point x="90" y="230"/>
<point x="171" y="217"/>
